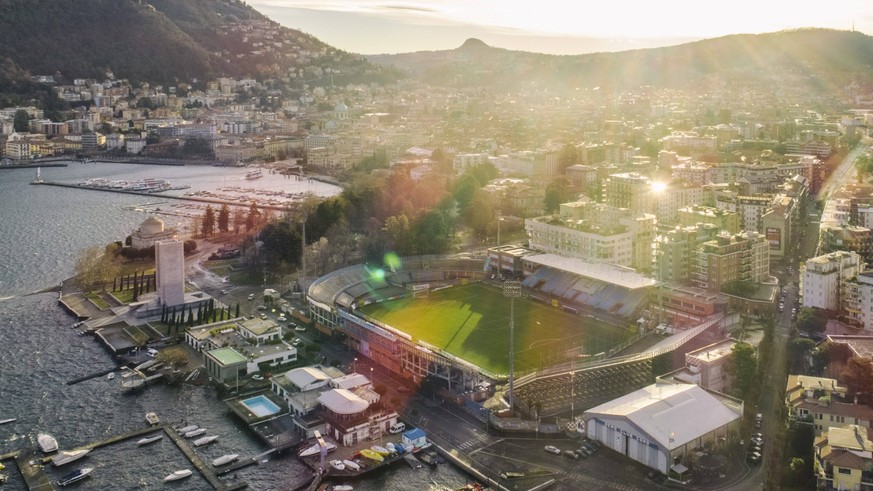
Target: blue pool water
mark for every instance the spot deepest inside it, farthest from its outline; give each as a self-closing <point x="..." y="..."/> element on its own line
<point x="260" y="406"/>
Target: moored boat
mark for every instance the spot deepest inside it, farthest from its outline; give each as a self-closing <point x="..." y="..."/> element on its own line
<point x="206" y="440"/>
<point x="342" y="487"/>
<point x="150" y="439"/>
<point x="197" y="432"/>
<point x="372" y="455"/>
<point x="225" y="459"/>
<point x="316" y="449"/>
<point x="10" y="420"/>
<point x="67" y="456"/>
<point x="352" y="465"/>
<point x="254" y="174"/>
<point x="176" y="475"/>
<point x="381" y="450"/>
<point x="110" y="376"/>
<point x="338" y="465"/>
<point x="186" y="429"/>
<point x="47" y="443"/>
<point x="75" y="476"/>
<point x="152" y="418"/>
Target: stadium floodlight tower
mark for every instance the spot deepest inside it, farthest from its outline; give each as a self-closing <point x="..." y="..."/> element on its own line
<point x="511" y="289"/>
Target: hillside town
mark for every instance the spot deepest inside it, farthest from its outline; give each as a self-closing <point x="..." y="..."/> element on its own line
<point x="719" y="239"/>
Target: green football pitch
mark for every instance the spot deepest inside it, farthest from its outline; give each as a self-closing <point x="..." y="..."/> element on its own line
<point x="472" y="323"/>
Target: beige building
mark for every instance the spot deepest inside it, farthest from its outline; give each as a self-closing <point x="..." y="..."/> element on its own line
<point x="708" y="366"/>
<point x="725" y="220"/>
<point x="731" y="258"/>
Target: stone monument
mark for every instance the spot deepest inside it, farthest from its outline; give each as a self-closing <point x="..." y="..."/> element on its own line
<point x="170" y="272"/>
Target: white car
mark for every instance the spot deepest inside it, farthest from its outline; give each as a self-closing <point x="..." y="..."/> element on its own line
<point x="552" y="450"/>
<point x="299" y="328"/>
<point x="251" y="296"/>
<point x="296" y="342"/>
<point x="281" y="318"/>
<point x="257" y="377"/>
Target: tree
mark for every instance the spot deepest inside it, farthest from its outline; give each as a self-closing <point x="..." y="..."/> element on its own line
<point x="254" y="217"/>
<point x="239" y="220"/>
<point x="858" y="376"/>
<point x="557" y="192"/>
<point x="744" y="368"/>
<point x="224" y="218"/>
<point x="809" y="320"/>
<point x="173" y="356"/>
<point x="95" y="265"/>
<point x="830" y="354"/>
<point x="798" y="349"/>
<point x="21" y="121"/>
<point x="208" y="224"/>
<point x="189" y="246"/>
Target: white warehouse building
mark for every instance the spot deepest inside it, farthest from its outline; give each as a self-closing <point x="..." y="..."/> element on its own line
<point x="662" y="425"/>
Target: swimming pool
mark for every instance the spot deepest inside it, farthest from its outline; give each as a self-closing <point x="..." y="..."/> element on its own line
<point x="260" y="406"/>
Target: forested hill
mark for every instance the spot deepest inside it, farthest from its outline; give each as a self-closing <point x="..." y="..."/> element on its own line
<point x="822" y="58"/>
<point x="160" y="41"/>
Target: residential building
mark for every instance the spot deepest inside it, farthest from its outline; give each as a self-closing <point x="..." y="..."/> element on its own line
<point x="731" y="258"/>
<point x="843" y="458"/>
<point x="708" y="366"/>
<point x="847" y="238"/>
<point x="629" y="190"/>
<point x="726" y="220"/>
<point x="675" y="251"/>
<point x="351" y="418"/>
<point x="802" y="387"/>
<point x="826" y="278"/>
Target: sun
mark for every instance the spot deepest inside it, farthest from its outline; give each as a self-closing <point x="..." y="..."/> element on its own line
<point x="659" y="187"/>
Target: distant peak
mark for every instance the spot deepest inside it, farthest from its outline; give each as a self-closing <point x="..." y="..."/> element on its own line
<point x="472" y="44"/>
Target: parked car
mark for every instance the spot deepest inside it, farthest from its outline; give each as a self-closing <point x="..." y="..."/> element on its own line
<point x="251" y="296"/>
<point x="257" y="377"/>
<point x="296" y="342"/>
<point x="281" y="318"/>
<point x="224" y="292"/>
<point x="570" y="454"/>
<point x="262" y="307"/>
<point x="397" y="428"/>
<point x="263" y="316"/>
<point x="552" y="450"/>
<point x="299" y="328"/>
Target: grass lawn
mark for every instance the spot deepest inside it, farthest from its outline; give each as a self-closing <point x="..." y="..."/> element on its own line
<point x="472" y="323"/>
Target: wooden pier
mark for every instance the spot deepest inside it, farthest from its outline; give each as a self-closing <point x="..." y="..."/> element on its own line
<point x="206" y="470"/>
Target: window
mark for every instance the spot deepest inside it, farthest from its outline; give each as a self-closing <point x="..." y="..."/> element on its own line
<point x="843" y="470"/>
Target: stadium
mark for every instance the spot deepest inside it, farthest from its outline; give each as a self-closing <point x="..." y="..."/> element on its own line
<point x="447" y="318"/>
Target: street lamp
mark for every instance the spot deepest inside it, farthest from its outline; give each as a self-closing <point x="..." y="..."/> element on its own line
<point x="355" y="365"/>
<point x="499" y="256"/>
<point x="511" y="289"/>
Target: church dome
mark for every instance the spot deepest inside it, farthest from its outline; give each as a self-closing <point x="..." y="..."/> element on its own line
<point x="151" y="226"/>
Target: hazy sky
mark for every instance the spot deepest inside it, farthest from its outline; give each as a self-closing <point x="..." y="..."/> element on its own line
<point x="551" y="26"/>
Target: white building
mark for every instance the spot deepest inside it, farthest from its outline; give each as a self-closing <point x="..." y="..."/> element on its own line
<point x="825" y="277"/>
<point x="662" y="425"/>
<point x="858" y="304"/>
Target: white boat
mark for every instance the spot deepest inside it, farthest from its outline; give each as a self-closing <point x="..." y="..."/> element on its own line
<point x="10" y="420"/>
<point x="380" y="450"/>
<point x="315" y="449"/>
<point x="225" y="459"/>
<point x="47" y="443"/>
<point x="152" y="418"/>
<point x="176" y="475"/>
<point x="186" y="429"/>
<point x="342" y="487"/>
<point x="75" y="476"/>
<point x="110" y="376"/>
<point x="197" y="432"/>
<point x="352" y="465"/>
<point x="338" y="465"/>
<point x="150" y="439"/>
<point x="66" y="456"/>
<point x="254" y="174"/>
<point x="391" y="448"/>
<point x="206" y="440"/>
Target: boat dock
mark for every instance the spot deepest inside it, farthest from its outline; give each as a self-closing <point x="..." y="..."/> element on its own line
<point x="412" y="461"/>
<point x="94" y="375"/>
<point x="205" y="469"/>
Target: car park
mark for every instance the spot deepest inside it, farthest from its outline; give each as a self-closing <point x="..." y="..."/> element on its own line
<point x="552" y="450"/>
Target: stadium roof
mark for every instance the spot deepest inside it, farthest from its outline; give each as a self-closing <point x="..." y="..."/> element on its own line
<point x="608" y="273"/>
<point x="671" y="414"/>
<point x="342" y="401"/>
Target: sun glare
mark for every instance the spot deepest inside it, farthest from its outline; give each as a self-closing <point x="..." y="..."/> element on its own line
<point x="659" y="187"/>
